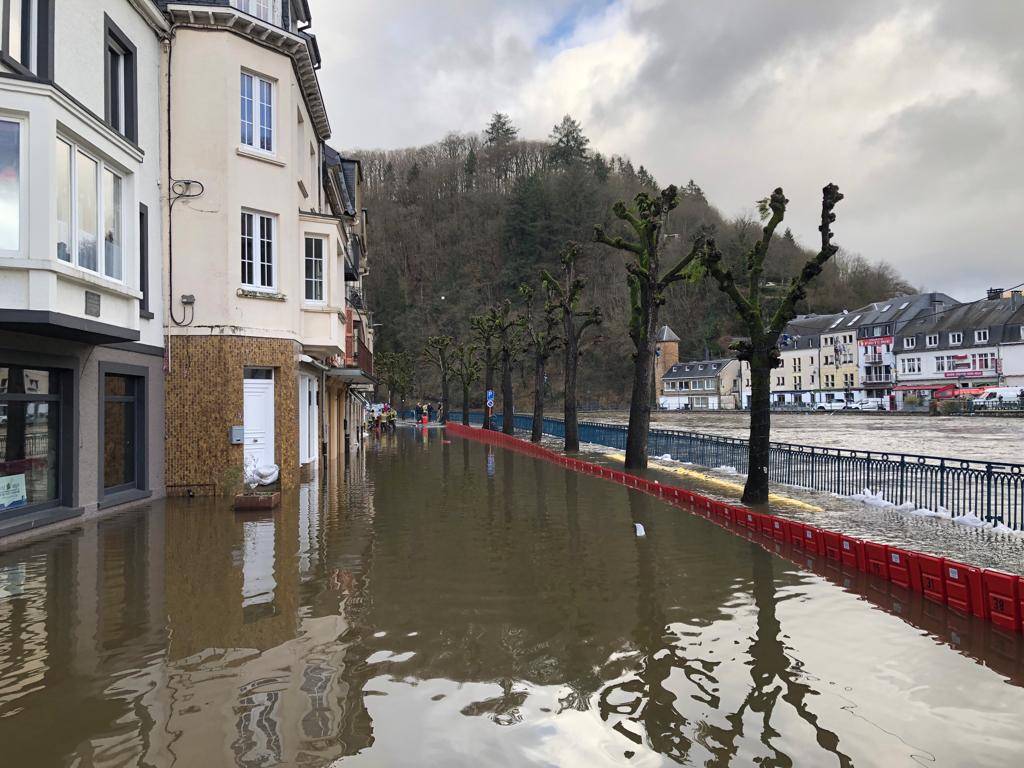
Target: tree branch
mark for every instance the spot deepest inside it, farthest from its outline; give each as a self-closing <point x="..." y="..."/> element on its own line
<point x="711" y="257"/>
<point x="755" y="260"/>
<point x="830" y="197"/>
<point x="676" y="273"/>
<point x="617" y="242"/>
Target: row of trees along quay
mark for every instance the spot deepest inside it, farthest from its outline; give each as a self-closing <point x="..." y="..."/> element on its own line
<point x="505" y="332"/>
<point x="488" y="266"/>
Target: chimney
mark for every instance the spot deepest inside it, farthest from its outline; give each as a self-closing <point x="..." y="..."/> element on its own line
<point x="994" y="294"/>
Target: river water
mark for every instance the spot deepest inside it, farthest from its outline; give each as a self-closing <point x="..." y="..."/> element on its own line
<point x="979" y="438"/>
<point x="453" y="604"/>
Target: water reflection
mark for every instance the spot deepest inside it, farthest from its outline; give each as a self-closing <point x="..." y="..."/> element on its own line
<point x="421" y="609"/>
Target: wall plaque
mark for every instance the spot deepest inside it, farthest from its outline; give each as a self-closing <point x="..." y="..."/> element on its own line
<point x="92" y="304"/>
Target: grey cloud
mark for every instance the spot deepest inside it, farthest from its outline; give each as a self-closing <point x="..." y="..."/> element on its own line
<point x="741" y="95"/>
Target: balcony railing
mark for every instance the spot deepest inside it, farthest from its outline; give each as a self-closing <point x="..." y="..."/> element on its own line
<point x="360" y="356"/>
<point x="878" y="378"/>
<point x="873" y="358"/>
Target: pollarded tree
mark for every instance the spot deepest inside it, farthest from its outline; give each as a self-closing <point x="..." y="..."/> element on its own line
<point x="466" y="366"/>
<point x="486" y="332"/>
<point x="438" y="352"/>
<point x="565" y="294"/>
<point x="509" y="335"/>
<point x="542" y="339"/>
<point x="646" y="219"/>
<point x="764" y="317"/>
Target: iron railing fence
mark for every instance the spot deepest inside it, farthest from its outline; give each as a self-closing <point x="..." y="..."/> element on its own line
<point x="993" y="491"/>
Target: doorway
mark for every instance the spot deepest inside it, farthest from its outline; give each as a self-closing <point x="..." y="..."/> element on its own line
<point x="258" y="416"/>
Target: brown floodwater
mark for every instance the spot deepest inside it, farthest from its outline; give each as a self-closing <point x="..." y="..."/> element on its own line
<point x="454" y="604"/>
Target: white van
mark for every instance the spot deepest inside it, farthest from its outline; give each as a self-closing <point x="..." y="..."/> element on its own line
<point x="995" y="395"/>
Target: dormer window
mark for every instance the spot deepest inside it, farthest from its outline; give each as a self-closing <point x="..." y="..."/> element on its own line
<point x="981" y="337"/>
<point x="909" y="342"/>
<point x="267" y="10"/>
<point x="931" y="340"/>
<point x="956" y="339"/>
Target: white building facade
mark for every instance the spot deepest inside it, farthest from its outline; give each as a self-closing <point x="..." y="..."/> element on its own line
<point x="81" y="338"/>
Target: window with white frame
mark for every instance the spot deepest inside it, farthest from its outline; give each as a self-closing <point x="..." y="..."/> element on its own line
<point x="10" y="185"/>
<point x="268" y="10"/>
<point x="910" y="365"/>
<point x="983" y="361"/>
<point x="981" y="336"/>
<point x="798" y="382"/>
<point x="89" y="210"/>
<point x="258" y="241"/>
<point x="314" y="269"/>
<point x="830" y="381"/>
<point x="909" y="342"/>
<point x="257" y="112"/>
<point x="931" y="340"/>
<point x="956" y="339"/>
<point x="780" y="381"/>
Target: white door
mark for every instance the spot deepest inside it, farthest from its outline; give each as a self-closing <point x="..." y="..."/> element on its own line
<point x="259" y="421"/>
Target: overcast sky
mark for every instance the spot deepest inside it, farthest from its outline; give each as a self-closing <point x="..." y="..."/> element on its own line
<point x="914" y="108"/>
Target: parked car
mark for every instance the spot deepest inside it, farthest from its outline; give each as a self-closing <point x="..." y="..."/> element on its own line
<point x="867" y="404"/>
<point x="835" y="405"/>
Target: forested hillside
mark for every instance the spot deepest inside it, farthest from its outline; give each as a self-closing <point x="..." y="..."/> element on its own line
<point x="458" y="225"/>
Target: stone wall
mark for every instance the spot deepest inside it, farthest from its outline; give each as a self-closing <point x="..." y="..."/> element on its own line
<point x="205" y="399"/>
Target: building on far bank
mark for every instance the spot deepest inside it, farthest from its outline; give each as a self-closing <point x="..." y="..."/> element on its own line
<point x="81" y="337"/>
<point x="701" y="385"/>
<point x="965" y="347"/>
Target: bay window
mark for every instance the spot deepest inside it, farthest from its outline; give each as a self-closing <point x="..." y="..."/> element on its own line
<point x="10" y="185"/>
<point x="267" y="10"/>
<point x="89" y="201"/>
<point x="257" y="112"/>
<point x="258" y="250"/>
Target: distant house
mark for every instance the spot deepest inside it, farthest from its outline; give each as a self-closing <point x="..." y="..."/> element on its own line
<point x="701" y="385"/>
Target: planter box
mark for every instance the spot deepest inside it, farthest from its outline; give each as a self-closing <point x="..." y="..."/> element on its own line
<point x="249" y="502"/>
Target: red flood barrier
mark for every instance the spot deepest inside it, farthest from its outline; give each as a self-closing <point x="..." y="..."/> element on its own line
<point x="930" y="581"/>
<point x="876" y="560"/>
<point x="796" y="533"/>
<point x="1001" y="599"/>
<point x="766" y="524"/>
<point x="853" y="553"/>
<point x="833" y="545"/>
<point x="964" y="590"/>
<point x="814" y="540"/>
<point x="780" y="528"/>
<point x="900" y="563"/>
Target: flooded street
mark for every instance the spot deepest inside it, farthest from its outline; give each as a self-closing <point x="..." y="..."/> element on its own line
<point x="455" y="604"/>
<point x="976" y="437"/>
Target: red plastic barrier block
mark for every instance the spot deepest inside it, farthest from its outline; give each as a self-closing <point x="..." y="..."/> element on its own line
<point x="930" y="581"/>
<point x="875" y="555"/>
<point x="964" y="590"/>
<point x="900" y="564"/>
<point x="745" y="517"/>
<point x="765" y="524"/>
<point x="1020" y="603"/>
<point x="722" y="510"/>
<point x="1002" y="599"/>
<point x="780" y="528"/>
<point x="832" y="544"/>
<point x="814" y="540"/>
<point x="853" y="553"/>
<point x="796" y="533"/>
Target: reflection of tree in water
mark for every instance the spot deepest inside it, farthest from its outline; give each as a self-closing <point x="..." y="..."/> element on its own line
<point x="641" y="705"/>
<point x="503" y="709"/>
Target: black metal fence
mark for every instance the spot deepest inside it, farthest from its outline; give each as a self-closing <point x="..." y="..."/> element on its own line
<point x="992" y="491"/>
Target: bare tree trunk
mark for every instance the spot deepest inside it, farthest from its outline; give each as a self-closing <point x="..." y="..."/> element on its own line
<point x="572" y="426"/>
<point x="756" y="490"/>
<point x="508" y="405"/>
<point x="538" y="401"/>
<point x="445" y="397"/>
<point x="465" y="404"/>
<point x="640" y="401"/>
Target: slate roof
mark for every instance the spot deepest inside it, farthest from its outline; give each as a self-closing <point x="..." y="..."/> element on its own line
<point x="697" y="369"/>
<point x="1001" y="317"/>
<point x="666" y="334"/>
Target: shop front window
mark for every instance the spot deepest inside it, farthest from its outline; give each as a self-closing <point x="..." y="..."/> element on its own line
<point x="30" y="403"/>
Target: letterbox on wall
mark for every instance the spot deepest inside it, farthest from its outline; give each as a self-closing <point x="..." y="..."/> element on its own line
<point x="237" y="435"/>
